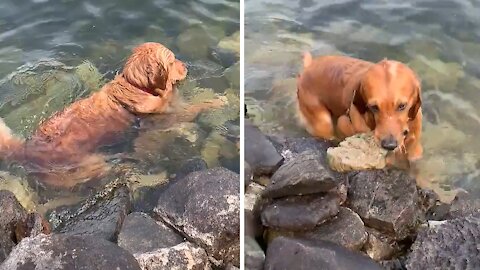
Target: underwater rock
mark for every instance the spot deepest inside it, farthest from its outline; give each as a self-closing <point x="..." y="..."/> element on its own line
<point x="65" y="252"/>
<point x="12" y="216"/>
<point x="300" y="213"/>
<point x="379" y="246"/>
<point x="259" y="151"/>
<point x="195" y="42"/>
<point x="232" y="74"/>
<point x="217" y="117"/>
<point x="358" y="152"/>
<point x="102" y="219"/>
<point x="254" y="255"/>
<point x="179" y="257"/>
<point x="140" y="234"/>
<point x="345" y="229"/>
<point x="20" y="188"/>
<point x="450" y="245"/>
<point x="252" y="206"/>
<point x="385" y="200"/>
<point x="205" y="207"/>
<point x="287" y="253"/>
<point x="437" y="74"/>
<point x="305" y="174"/>
<point x="231" y="43"/>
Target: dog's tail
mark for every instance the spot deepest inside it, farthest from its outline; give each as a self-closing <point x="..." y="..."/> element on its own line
<point x="8" y="142"/>
<point x="307" y="59"/>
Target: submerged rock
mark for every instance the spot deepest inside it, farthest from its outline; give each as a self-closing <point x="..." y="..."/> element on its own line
<point x="140" y="234"/>
<point x="451" y="245"/>
<point x="358" y="152"/>
<point x="254" y="255"/>
<point x="287" y="253"/>
<point x="385" y="200"/>
<point x="182" y="256"/>
<point x="259" y="151"/>
<point x="205" y="207"/>
<point x="346" y="229"/>
<point x="20" y="188"/>
<point x="231" y="43"/>
<point x="65" y="252"/>
<point x="300" y="213"/>
<point x="305" y="174"/>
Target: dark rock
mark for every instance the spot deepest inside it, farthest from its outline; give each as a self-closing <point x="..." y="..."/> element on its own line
<point x="386" y="200"/>
<point x="286" y="253"/>
<point x="248" y="175"/>
<point x="259" y="151"/>
<point x="140" y="234"/>
<point x="394" y="264"/>
<point x="12" y="215"/>
<point x="191" y="165"/>
<point x="61" y="251"/>
<point x="300" y="213"/>
<point x="252" y="206"/>
<point x="451" y="245"/>
<point x="101" y="219"/>
<point x="463" y="205"/>
<point x="346" y="229"/>
<point x="205" y="207"/>
<point x="182" y="256"/>
<point x="380" y="246"/>
<point x="290" y="147"/>
<point x="254" y="255"/>
<point x="306" y="174"/>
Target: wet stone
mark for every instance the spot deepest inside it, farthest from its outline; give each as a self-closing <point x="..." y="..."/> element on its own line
<point x="254" y="255"/>
<point x="345" y="229"/>
<point x="140" y="233"/>
<point x="179" y="257"/>
<point x="205" y="207"/>
<point x="65" y="252"/>
<point x="287" y="253"/>
<point x="259" y="152"/>
<point x="300" y="213"/>
<point x="305" y="174"/>
<point x="12" y="215"/>
<point x="451" y="245"/>
<point x="290" y="147"/>
<point x="103" y="219"/>
<point x="385" y="200"/>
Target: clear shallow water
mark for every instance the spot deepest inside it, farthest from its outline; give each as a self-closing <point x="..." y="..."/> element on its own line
<point x="55" y="52"/>
<point x="440" y="40"/>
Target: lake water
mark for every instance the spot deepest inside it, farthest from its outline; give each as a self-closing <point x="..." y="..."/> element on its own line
<point x="55" y="52"/>
<point x="440" y="40"/>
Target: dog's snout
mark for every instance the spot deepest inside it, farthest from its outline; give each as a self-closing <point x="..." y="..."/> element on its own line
<point x="389" y="143"/>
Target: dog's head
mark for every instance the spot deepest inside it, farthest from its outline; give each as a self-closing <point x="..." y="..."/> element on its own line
<point x="390" y="92"/>
<point x="153" y="68"/>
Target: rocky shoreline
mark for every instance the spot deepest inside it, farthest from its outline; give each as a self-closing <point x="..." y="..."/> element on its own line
<point x="300" y="214"/>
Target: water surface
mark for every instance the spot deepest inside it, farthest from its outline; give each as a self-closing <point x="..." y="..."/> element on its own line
<point x="440" y="40"/>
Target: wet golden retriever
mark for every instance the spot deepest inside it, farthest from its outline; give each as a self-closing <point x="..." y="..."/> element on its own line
<point x="61" y="152"/>
<point x="339" y="96"/>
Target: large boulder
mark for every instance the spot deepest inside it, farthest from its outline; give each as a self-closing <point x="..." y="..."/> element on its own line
<point x="12" y="216"/>
<point x="386" y="200"/>
<point x="287" y="253"/>
<point x="453" y="244"/>
<point x="65" y="252"/>
<point x="205" y="207"/>
<point x="259" y="152"/>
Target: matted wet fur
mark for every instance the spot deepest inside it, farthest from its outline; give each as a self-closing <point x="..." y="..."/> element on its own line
<point x="340" y="96"/>
<point x="61" y="152"/>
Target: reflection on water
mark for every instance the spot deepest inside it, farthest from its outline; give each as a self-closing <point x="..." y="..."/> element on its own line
<point x="438" y="39"/>
<point x="55" y="52"/>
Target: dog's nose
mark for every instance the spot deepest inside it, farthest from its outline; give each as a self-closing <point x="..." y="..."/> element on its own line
<point x="389" y="143"/>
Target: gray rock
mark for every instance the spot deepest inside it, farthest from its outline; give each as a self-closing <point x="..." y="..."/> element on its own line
<point x="102" y="219"/>
<point x="346" y="229"/>
<point x="205" y="207"/>
<point x="451" y="245"/>
<point x="254" y="255"/>
<point x="12" y="215"/>
<point x="386" y="200"/>
<point x="182" y="256"/>
<point x="65" y="252"/>
<point x="252" y="206"/>
<point x="248" y="175"/>
<point x="259" y="151"/>
<point x="463" y="205"/>
<point x="290" y="147"/>
<point x="394" y="264"/>
<point x="287" y="253"/>
<point x="305" y="174"/>
<point x="379" y="246"/>
<point x="140" y="234"/>
<point x="300" y="213"/>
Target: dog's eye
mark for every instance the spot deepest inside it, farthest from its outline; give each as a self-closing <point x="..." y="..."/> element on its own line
<point x="373" y="108"/>
<point x="401" y="107"/>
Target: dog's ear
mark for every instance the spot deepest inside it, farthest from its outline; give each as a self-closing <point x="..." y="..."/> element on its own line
<point x="412" y="113"/>
<point x="359" y="100"/>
